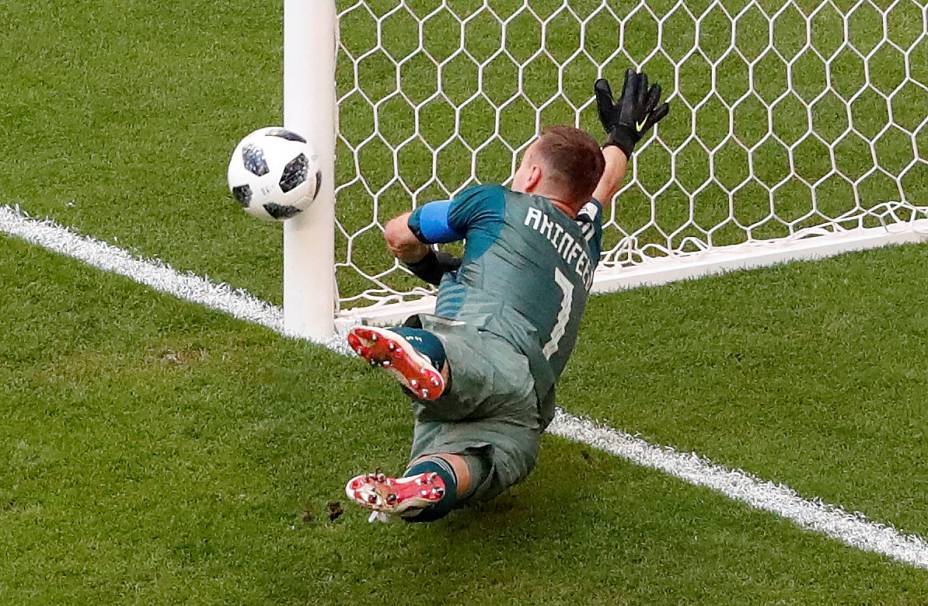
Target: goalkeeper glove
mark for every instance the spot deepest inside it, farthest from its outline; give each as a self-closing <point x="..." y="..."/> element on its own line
<point x="433" y="266"/>
<point x="627" y="120"/>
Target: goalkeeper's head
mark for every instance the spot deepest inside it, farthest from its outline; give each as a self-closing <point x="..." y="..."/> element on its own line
<point x="564" y="164"/>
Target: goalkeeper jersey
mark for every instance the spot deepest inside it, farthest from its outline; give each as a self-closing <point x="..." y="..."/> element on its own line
<point x="525" y="275"/>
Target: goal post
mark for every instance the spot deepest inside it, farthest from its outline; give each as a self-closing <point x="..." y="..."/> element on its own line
<point x="310" y="38"/>
<point x="798" y="128"/>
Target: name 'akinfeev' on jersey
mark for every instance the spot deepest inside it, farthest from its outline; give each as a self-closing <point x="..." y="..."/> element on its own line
<point x="571" y="250"/>
<point x="525" y="274"/>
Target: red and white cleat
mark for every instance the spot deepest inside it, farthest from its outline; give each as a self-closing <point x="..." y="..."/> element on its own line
<point x="395" y="496"/>
<point x="390" y="351"/>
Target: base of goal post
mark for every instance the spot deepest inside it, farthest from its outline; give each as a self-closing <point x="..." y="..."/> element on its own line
<point x="663" y="270"/>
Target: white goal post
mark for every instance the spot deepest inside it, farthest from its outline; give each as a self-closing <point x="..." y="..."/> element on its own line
<point x="797" y="130"/>
<point x="310" y="35"/>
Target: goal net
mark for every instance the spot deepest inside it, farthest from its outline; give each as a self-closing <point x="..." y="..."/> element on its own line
<point x="797" y="127"/>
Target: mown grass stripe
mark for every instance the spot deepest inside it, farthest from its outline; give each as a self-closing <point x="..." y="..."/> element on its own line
<point x="853" y="529"/>
<point x="154" y="273"/>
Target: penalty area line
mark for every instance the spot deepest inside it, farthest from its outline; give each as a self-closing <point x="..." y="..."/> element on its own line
<point x="853" y="529"/>
<point x="153" y="273"/>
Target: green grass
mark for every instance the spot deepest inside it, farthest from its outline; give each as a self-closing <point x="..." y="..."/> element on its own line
<point x="123" y="117"/>
<point x="159" y="453"/>
<point x="746" y="192"/>
<point x="805" y="374"/>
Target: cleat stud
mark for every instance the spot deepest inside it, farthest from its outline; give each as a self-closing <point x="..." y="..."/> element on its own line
<point x="373" y="337"/>
<point x="372" y="499"/>
<point x="414" y="384"/>
<point x="385" y="363"/>
<point x="435" y="383"/>
<point x="391" y="346"/>
<point x="373" y="362"/>
<point x="425" y="393"/>
<point x="391" y="499"/>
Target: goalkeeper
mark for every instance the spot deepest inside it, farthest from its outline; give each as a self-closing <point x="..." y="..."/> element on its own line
<point x="482" y="369"/>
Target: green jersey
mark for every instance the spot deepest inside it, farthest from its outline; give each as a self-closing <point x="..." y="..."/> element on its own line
<point x="525" y="275"/>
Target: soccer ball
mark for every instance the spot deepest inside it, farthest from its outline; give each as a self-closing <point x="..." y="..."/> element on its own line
<point x="274" y="174"/>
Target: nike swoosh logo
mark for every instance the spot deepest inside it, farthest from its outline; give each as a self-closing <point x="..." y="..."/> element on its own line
<point x="639" y="126"/>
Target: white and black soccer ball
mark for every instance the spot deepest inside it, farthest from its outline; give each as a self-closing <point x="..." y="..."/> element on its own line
<point x="274" y="174"/>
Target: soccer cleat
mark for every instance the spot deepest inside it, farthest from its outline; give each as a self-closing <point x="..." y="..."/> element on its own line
<point x="387" y="497"/>
<point x="393" y="353"/>
<point x="383" y="518"/>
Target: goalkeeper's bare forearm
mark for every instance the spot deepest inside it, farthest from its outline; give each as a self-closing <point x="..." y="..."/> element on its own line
<point x="420" y="258"/>
<point x="402" y="242"/>
<point x="613" y="175"/>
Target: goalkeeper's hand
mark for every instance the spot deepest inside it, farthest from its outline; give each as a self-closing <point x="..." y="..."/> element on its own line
<point x="433" y="266"/>
<point x="637" y="110"/>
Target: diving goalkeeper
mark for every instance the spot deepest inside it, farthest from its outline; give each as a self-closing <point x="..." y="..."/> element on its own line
<point x="482" y="369"/>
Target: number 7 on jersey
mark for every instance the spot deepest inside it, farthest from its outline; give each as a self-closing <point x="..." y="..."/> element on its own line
<point x="563" y="315"/>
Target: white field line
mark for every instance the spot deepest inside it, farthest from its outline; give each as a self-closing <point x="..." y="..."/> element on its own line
<point x="853" y="529"/>
<point x="156" y="274"/>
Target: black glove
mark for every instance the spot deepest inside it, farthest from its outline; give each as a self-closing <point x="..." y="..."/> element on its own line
<point x="627" y="120"/>
<point x="433" y="266"/>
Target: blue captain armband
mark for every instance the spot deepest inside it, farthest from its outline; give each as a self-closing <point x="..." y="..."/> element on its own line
<point x="430" y="223"/>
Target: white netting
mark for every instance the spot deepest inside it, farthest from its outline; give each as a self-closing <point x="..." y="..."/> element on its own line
<point x="788" y="118"/>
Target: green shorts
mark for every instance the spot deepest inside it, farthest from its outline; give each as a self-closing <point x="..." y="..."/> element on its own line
<point x="490" y="411"/>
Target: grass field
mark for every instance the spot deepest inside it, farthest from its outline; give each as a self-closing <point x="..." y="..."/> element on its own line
<point x="753" y="82"/>
<point x="99" y="91"/>
<point x="161" y="453"/>
<point x="158" y="452"/>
